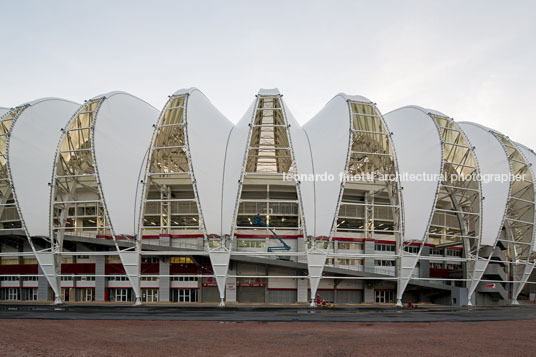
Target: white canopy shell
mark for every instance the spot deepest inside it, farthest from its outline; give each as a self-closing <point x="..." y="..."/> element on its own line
<point x="208" y="132"/>
<point x="492" y="160"/>
<point x="419" y="153"/>
<point x="304" y="166"/>
<point x="234" y="157"/>
<point x="329" y="136"/>
<point x="530" y="156"/>
<point x="123" y="129"/>
<point x="32" y="145"/>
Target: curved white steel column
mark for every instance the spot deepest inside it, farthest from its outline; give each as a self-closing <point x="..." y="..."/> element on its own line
<point x="205" y="124"/>
<point x="30" y="148"/>
<point x="331" y="133"/>
<point x="530" y="157"/>
<point x="419" y="151"/>
<point x="519" y="213"/>
<point x="464" y="195"/>
<point x="199" y="123"/>
<point x="122" y="132"/>
<point x="329" y="137"/>
<point x="520" y="216"/>
<point x="492" y="160"/>
<point x="262" y="148"/>
<point x="119" y="137"/>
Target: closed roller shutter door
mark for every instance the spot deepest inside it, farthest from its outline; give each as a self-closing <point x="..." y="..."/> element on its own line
<point x="210" y="294"/>
<point x="282" y="296"/>
<point x="326" y="295"/>
<point x="349" y="296"/>
<point x="250" y="294"/>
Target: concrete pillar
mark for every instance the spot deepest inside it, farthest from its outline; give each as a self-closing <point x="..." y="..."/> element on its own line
<point x="369" y="262"/>
<point x="424" y="265"/>
<point x="301" y="247"/>
<point x="368" y="292"/>
<point x="100" y="281"/>
<point x="234" y="247"/>
<point x="230" y="285"/>
<point x="459" y="296"/>
<point x="302" y="290"/>
<point x="42" y="286"/>
<point x="164" y="282"/>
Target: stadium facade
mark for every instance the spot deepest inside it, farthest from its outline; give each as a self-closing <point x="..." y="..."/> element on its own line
<point x="113" y="200"/>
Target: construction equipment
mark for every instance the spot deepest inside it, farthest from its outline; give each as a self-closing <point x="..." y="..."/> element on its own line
<point x="285" y="246"/>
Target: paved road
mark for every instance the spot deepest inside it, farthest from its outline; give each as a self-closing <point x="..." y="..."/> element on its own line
<point x="267" y="314"/>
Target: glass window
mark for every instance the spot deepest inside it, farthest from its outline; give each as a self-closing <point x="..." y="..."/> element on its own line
<point x="385" y="296"/>
<point x="149" y="295"/>
<point x="385" y="247"/>
<point x="13" y="294"/>
<point x="412" y="249"/>
<point x="384" y="263"/>
<point x="184" y="295"/>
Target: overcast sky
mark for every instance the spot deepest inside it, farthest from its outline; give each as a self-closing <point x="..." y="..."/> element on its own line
<point x="472" y="60"/>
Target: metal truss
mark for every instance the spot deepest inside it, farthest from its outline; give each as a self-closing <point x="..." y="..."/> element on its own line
<point x="45" y="257"/>
<point x="370" y="153"/>
<point x="169" y="164"/>
<point x="454" y="197"/>
<point x="269" y="154"/>
<point x="520" y="216"/>
<point x="76" y="184"/>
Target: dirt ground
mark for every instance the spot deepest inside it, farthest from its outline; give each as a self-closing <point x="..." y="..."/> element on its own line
<point x="196" y="338"/>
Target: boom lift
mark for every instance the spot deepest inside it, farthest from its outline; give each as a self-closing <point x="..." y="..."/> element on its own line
<point x="285" y="246"/>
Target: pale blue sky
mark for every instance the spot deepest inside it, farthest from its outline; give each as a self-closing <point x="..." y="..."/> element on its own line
<point x="472" y="60"/>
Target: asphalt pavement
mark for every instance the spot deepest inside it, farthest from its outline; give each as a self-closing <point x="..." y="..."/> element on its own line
<point x="267" y="313"/>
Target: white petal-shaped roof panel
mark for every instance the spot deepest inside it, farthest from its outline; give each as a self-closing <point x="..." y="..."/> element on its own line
<point x="32" y="147"/>
<point x="234" y="159"/>
<point x="356" y="98"/>
<point x="123" y="130"/>
<point x="530" y="156"/>
<point x="329" y="136"/>
<point x="492" y="160"/>
<point x="208" y="131"/>
<point x="304" y="166"/>
<point x="419" y="153"/>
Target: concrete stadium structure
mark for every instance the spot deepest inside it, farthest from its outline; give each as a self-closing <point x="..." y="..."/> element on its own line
<point x="113" y="200"/>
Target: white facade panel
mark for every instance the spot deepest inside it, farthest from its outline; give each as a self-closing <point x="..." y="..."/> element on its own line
<point x="29" y="284"/>
<point x="32" y="146"/>
<point x="185" y="284"/>
<point x="530" y="156"/>
<point x="208" y="131"/>
<point x="281" y="283"/>
<point x="123" y="130"/>
<point x="304" y="166"/>
<point x="418" y="148"/>
<point x="492" y="160"/>
<point x="85" y="284"/>
<point x="329" y="137"/>
<point x="350" y="284"/>
<point x="234" y="158"/>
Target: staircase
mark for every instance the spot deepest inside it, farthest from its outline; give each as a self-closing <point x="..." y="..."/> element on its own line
<point x="495" y="271"/>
